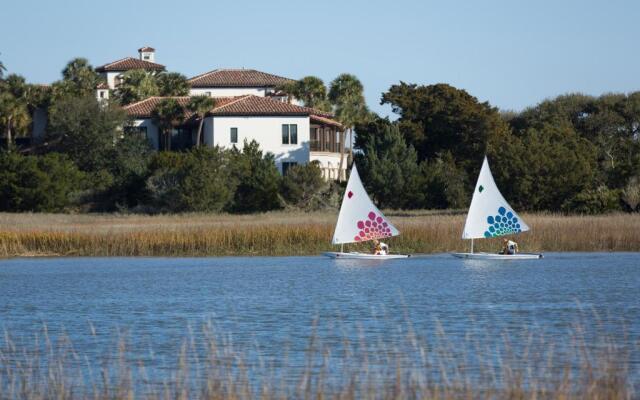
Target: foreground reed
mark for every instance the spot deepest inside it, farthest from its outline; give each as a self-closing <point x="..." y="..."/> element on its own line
<point x="283" y="233"/>
<point x="575" y="366"/>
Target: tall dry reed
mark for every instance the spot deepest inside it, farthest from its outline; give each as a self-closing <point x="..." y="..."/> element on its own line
<point x="574" y="366"/>
<point x="282" y="234"/>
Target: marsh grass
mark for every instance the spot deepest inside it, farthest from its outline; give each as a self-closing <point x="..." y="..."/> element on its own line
<point x="288" y="233"/>
<point x="208" y="365"/>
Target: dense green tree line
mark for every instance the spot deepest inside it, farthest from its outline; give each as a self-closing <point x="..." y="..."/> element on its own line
<point x="574" y="153"/>
<point x="137" y="179"/>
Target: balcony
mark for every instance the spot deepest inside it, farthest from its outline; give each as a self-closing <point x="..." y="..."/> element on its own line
<point x="317" y="145"/>
<point x="324" y="139"/>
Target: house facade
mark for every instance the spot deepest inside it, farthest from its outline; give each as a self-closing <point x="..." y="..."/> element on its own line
<point x="249" y="105"/>
<point x="293" y="134"/>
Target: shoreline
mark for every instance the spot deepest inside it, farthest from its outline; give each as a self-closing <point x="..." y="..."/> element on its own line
<point x="413" y="255"/>
<point x="289" y="234"/>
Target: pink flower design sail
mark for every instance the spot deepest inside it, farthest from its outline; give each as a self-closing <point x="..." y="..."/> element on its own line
<point x="374" y="227"/>
<point x="359" y="219"/>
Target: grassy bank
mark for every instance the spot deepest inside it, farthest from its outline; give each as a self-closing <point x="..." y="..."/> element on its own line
<point x="574" y="366"/>
<point x="286" y="233"/>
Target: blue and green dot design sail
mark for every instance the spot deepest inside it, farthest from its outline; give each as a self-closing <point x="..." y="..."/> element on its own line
<point x="489" y="213"/>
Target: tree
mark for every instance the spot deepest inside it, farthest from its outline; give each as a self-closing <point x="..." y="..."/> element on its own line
<point x="439" y="118"/>
<point x="545" y="167"/>
<point x="129" y="167"/>
<point x="303" y="186"/>
<point x="14" y="112"/>
<point x="388" y="167"/>
<point x="172" y="84"/>
<point x="257" y="179"/>
<point x="200" y="106"/>
<point x="196" y="180"/>
<point x="2" y="70"/>
<point x="78" y="79"/>
<point x="47" y="183"/>
<point x="168" y="114"/>
<point x="445" y="183"/>
<point x="311" y="90"/>
<point x="136" y="85"/>
<point x="347" y="95"/>
<point x="610" y="122"/>
<point x="86" y="131"/>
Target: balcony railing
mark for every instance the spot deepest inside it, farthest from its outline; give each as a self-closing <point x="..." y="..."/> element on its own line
<point x="316" y="145"/>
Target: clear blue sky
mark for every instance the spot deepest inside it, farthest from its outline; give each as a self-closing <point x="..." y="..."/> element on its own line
<point x="511" y="53"/>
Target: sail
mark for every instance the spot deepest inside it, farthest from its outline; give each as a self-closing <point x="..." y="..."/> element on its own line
<point x="359" y="219"/>
<point x="489" y="214"/>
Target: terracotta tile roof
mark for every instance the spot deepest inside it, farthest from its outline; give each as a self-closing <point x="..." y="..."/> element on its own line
<point x="325" y="121"/>
<point x="256" y="105"/>
<point x="129" y="63"/>
<point x="146" y="48"/>
<point x="143" y="109"/>
<point x="102" y="85"/>
<point x="248" y="105"/>
<point x="237" y="78"/>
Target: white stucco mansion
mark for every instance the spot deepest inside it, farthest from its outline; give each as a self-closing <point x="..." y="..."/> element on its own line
<point x="247" y="107"/>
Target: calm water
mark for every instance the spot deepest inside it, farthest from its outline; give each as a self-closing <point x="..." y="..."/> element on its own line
<point x="268" y="305"/>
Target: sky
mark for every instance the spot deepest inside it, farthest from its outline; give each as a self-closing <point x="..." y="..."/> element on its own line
<point x="512" y="54"/>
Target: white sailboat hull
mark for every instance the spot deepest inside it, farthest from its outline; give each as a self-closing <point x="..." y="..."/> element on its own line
<point x="495" y="256"/>
<point x="364" y="256"/>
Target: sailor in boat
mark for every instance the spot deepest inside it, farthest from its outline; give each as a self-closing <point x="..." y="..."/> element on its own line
<point x="380" y="249"/>
<point x="509" y="247"/>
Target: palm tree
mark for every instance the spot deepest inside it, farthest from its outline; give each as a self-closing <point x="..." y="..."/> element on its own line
<point x="172" y="84"/>
<point x="2" y="69"/>
<point x="167" y="114"/>
<point x="136" y="85"/>
<point x="200" y="106"/>
<point x="346" y="94"/>
<point x="81" y="75"/>
<point x="14" y="115"/>
<point x="311" y="90"/>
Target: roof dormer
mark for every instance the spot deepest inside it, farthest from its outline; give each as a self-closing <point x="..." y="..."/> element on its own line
<point x="147" y="54"/>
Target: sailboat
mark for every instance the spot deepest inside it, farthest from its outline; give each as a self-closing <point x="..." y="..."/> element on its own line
<point x="491" y="216"/>
<point x="360" y="221"/>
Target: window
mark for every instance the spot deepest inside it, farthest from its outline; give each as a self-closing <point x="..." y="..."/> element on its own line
<point x="234" y="135"/>
<point x="146" y="56"/>
<point x="289" y="134"/>
<point x="286" y="165"/>
<point x="140" y="131"/>
<point x="207" y="94"/>
<point x="101" y="94"/>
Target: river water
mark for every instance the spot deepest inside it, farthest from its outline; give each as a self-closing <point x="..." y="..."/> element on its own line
<point x="268" y="308"/>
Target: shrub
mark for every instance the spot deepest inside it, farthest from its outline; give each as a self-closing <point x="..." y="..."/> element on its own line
<point x="38" y="183"/>
<point x="196" y="180"/>
<point x="303" y="186"/>
<point x="593" y="201"/>
<point x="631" y="194"/>
<point x="444" y="184"/>
<point x="257" y="178"/>
<point x="128" y="168"/>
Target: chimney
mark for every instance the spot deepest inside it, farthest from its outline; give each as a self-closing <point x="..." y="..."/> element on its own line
<point x="147" y="54"/>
